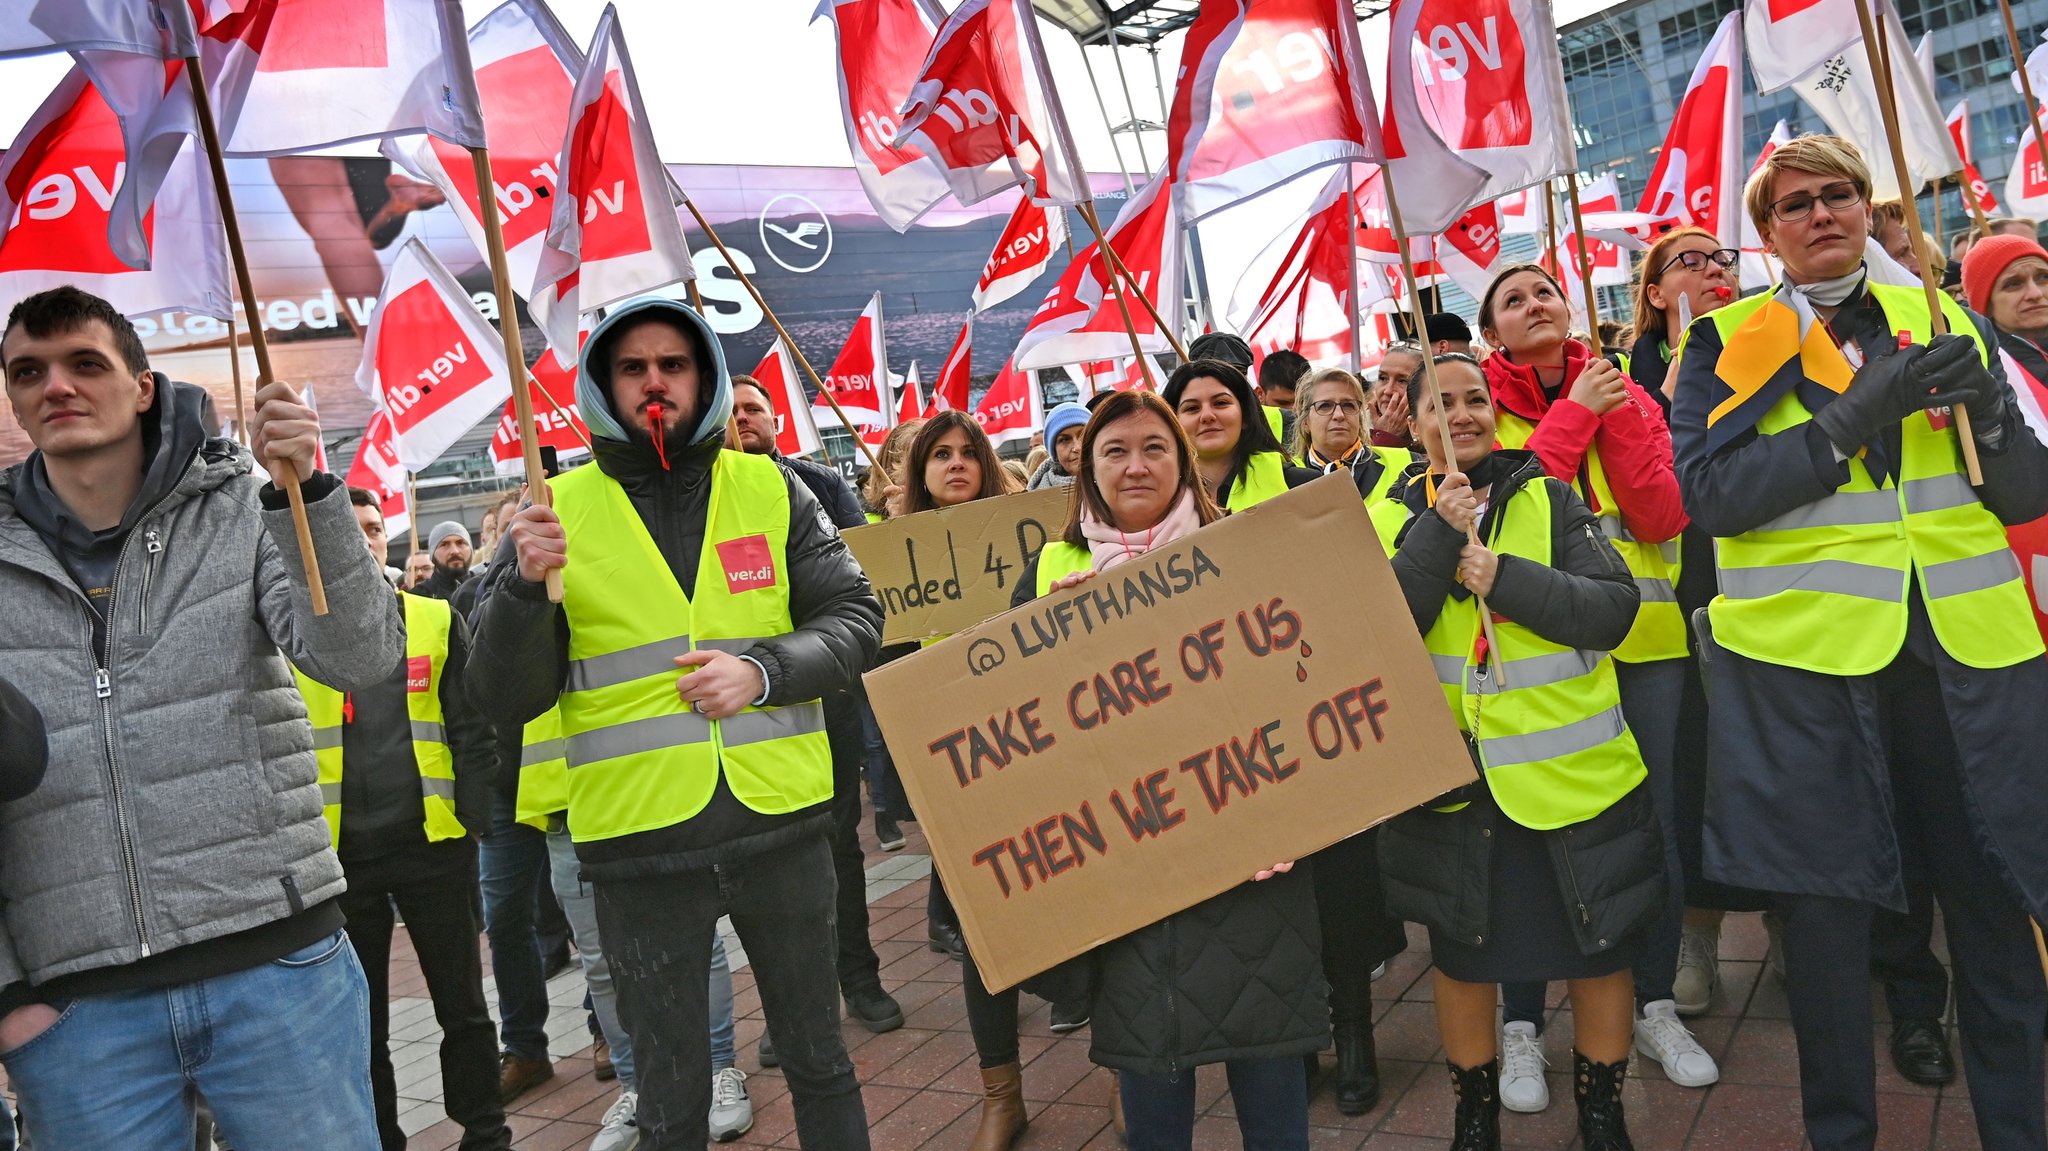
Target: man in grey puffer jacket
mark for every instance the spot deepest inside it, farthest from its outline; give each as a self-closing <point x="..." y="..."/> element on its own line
<point x="170" y="928"/>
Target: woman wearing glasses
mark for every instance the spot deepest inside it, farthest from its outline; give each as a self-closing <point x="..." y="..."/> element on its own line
<point x="1594" y="428"/>
<point x="1330" y="414"/>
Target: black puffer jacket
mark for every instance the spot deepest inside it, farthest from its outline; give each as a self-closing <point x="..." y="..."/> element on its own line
<point x="1437" y="866"/>
<point x="1237" y="976"/>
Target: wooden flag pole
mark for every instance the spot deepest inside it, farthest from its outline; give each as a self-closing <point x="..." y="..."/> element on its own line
<point x="1937" y="210"/>
<point x="1443" y="419"/>
<point x="1874" y="53"/>
<point x="235" y="373"/>
<point x="1171" y="331"/>
<point x="515" y="348"/>
<point x="874" y="461"/>
<point x="412" y="518"/>
<point x="1550" y="230"/>
<point x="1116" y="288"/>
<point x="1584" y="260"/>
<point x="209" y="135"/>
<point x="2019" y="61"/>
<point x="1351" y="262"/>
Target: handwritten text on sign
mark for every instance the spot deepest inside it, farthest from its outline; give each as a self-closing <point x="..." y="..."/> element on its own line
<point x="944" y="571"/>
<point x="1108" y="755"/>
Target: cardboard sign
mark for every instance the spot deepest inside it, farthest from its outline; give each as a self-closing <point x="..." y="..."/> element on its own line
<point x="944" y="571"/>
<point x="1105" y="756"/>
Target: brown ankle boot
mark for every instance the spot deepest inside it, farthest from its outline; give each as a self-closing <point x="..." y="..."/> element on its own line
<point x="1002" y="1108"/>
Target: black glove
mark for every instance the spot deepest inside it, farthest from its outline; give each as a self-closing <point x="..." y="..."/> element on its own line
<point x="1891" y="387"/>
<point x="1953" y="365"/>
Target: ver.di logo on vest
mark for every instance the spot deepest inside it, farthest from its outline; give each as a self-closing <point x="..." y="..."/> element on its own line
<point x="419" y="673"/>
<point x="748" y="563"/>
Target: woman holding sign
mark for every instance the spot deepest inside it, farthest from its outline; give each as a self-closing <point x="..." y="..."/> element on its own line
<point x="1237" y="979"/>
<point x="1239" y="458"/>
<point x="1552" y="866"/>
<point x="1591" y="426"/>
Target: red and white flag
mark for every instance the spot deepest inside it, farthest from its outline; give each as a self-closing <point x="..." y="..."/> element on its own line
<point x="1305" y="300"/>
<point x="430" y="358"/>
<point x="1027" y="245"/>
<point x="910" y="405"/>
<point x="984" y="108"/>
<point x="1694" y="181"/>
<point x="2026" y="185"/>
<point x="1080" y="320"/>
<point x="1842" y="92"/>
<point x="161" y="28"/>
<point x="377" y="469"/>
<point x="950" y="390"/>
<point x="857" y="373"/>
<point x="526" y="68"/>
<point x="1974" y="186"/>
<point x="1268" y="89"/>
<point x="1521" y="213"/>
<point x="315" y="73"/>
<point x="1485" y="78"/>
<point x="1601" y="214"/>
<point x="1466" y="253"/>
<point x="796" y="433"/>
<point x="1758" y="267"/>
<point x="1012" y="408"/>
<point x="882" y="47"/>
<point x="614" y="231"/>
<point x="1789" y="38"/>
<point x="58" y="204"/>
<point x="551" y="386"/>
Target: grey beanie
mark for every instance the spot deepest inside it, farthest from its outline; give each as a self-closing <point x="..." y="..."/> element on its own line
<point x="443" y="530"/>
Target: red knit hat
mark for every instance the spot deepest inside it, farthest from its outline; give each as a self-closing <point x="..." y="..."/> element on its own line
<point x="1988" y="259"/>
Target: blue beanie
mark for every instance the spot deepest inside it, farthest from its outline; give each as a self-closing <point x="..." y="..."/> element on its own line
<point x="1067" y="415"/>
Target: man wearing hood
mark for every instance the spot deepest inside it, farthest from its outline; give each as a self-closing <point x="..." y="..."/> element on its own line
<point x="171" y="883"/>
<point x="707" y="606"/>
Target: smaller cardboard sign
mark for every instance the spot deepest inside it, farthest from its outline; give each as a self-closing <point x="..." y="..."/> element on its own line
<point x="1105" y="756"/>
<point x="943" y="571"/>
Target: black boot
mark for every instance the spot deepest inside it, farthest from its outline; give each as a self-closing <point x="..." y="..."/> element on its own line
<point x="1597" y="1087"/>
<point x="1358" y="1069"/>
<point x="1477" y="1127"/>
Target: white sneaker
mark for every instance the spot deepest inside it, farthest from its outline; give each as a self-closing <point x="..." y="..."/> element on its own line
<point x="1699" y="970"/>
<point x="732" y="1113"/>
<point x="1522" y="1086"/>
<point x="618" y="1130"/>
<point x="1662" y="1037"/>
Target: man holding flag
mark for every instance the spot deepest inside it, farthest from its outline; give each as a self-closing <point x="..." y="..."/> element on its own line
<point x="1875" y="673"/>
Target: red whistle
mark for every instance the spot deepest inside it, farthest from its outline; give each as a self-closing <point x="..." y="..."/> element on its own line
<point x="1723" y="292"/>
<point x="654" y="411"/>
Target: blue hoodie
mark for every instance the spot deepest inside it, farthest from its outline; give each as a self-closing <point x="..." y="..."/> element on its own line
<point x="593" y="376"/>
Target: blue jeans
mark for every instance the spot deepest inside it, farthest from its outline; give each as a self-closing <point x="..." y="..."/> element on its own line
<point x="722" y="1054"/>
<point x="1270" y="1096"/>
<point x="514" y="863"/>
<point x="579" y="905"/>
<point x="125" y="1069"/>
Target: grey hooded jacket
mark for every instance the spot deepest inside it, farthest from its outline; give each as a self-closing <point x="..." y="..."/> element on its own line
<point x="181" y="802"/>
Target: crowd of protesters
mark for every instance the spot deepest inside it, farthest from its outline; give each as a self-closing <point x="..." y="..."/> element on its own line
<point x="1729" y="618"/>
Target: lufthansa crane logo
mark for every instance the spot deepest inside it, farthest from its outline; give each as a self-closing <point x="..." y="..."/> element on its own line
<point x="796" y="233"/>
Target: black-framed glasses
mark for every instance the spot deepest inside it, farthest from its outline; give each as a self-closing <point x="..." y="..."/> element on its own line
<point x="1796" y="206"/>
<point x="1696" y="261"/>
<point x="1326" y="407"/>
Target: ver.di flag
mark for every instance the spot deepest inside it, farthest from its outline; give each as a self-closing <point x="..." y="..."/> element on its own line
<point x="1268" y="89"/>
<point x="377" y="469"/>
<point x="856" y="378"/>
<point x="1079" y="318"/>
<point x="1789" y="38"/>
<point x="950" y="390"/>
<point x="1694" y="182"/>
<point x="984" y="108"/>
<point x="1841" y="91"/>
<point x="2026" y="185"/>
<point x="161" y="28"/>
<point x="429" y="358"/>
<point x="1760" y="268"/>
<point x="1974" y="185"/>
<point x="1012" y="408"/>
<point x="796" y="433"/>
<point x="551" y="386"/>
<point x="881" y="50"/>
<point x="1022" y="254"/>
<point x="57" y="205"/>
<point x="614" y="232"/>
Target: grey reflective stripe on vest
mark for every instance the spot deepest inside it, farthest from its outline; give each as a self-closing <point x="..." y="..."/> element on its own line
<point x="1558" y="742"/>
<point x="1939" y="493"/>
<point x="1839" y="577"/>
<point x="614" y="668"/>
<point x="1536" y="671"/>
<point x="772" y="723"/>
<point x="542" y="752"/>
<point x="330" y="795"/>
<point x="437" y="788"/>
<point x="1842" y="509"/>
<point x="1614" y="529"/>
<point x="426" y="731"/>
<point x="1656" y="590"/>
<point x="728" y="646"/>
<point x="326" y="738"/>
<point x="1973" y="573"/>
<point x="1449" y="668"/>
<point x="655" y="733"/>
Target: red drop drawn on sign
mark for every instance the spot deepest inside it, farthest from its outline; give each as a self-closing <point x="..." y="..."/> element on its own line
<point x="748" y="563"/>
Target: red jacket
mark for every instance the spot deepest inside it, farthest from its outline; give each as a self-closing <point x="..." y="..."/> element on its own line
<point x="1631" y="440"/>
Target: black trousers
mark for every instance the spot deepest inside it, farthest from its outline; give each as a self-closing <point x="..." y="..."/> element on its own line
<point x="657" y="935"/>
<point x="435" y="888"/>
<point x="1358" y="934"/>
<point x="2001" y="998"/>
<point x="860" y="969"/>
